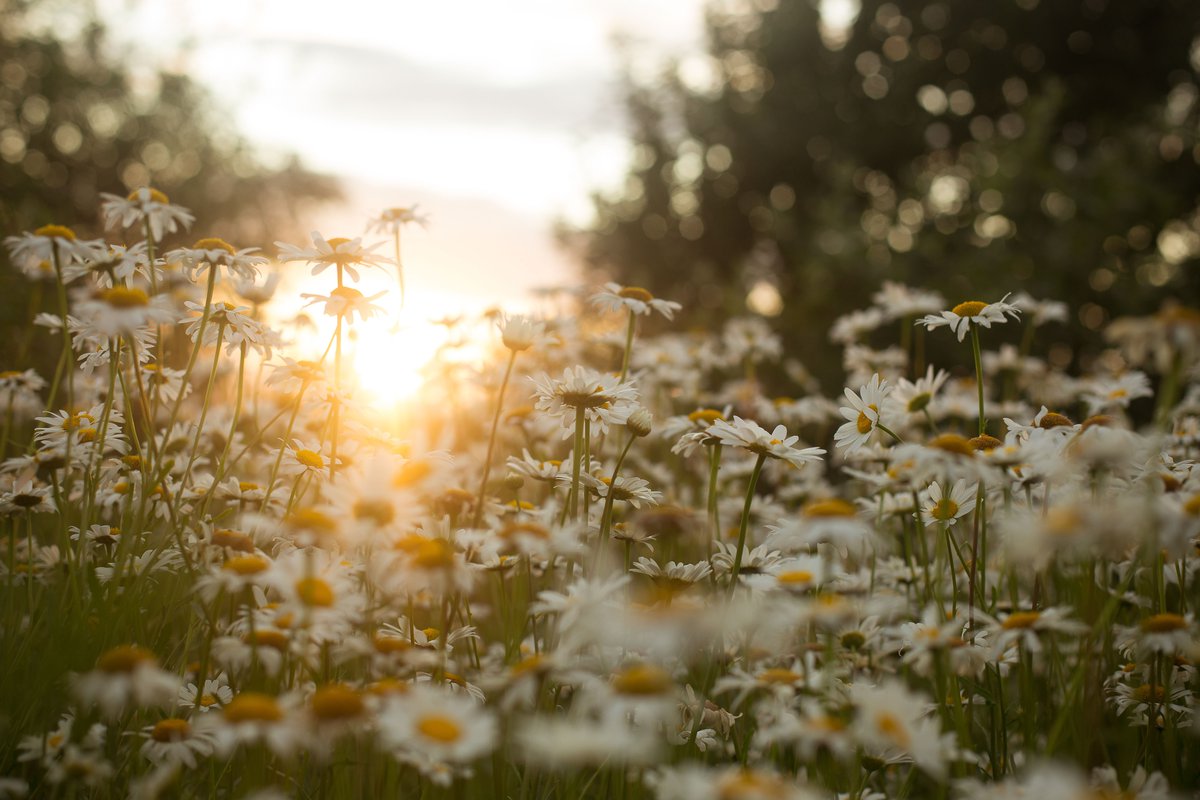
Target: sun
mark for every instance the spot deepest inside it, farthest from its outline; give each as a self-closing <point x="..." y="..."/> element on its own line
<point x="390" y="359"/>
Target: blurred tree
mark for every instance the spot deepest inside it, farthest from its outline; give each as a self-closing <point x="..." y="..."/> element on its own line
<point x="75" y="121"/>
<point x="976" y="148"/>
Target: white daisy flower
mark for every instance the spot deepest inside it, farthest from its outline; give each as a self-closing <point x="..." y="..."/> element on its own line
<point x="751" y="436"/>
<point x="972" y="312"/>
<point x="863" y="415"/>
<point x="346" y="254"/>
<point x="635" y="299"/>
<point x="148" y="205"/>
<point x="435" y="725"/>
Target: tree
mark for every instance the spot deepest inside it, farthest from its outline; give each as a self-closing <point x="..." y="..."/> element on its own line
<point x="976" y="148"/>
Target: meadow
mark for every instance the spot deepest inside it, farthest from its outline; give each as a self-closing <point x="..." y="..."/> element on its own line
<point x="597" y="561"/>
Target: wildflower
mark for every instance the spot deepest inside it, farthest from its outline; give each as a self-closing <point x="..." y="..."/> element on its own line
<point x="145" y="205"/>
<point x="520" y="332"/>
<point x="299" y="458"/>
<point x="345" y="254"/>
<point x="391" y="220"/>
<point x="213" y="253"/>
<point x="947" y="506"/>
<point x="119" y="310"/>
<point x="34" y="253"/>
<point x="972" y="312"/>
<point x="126" y="677"/>
<point x="1040" y="311"/>
<point x="898" y="301"/>
<point x="175" y="741"/>
<point x="915" y="397"/>
<point x="346" y="301"/>
<point x="1102" y="394"/>
<point x="774" y="444"/>
<point x="215" y="695"/>
<point x="602" y="400"/>
<point x="863" y="415"/>
<point x="434" y="726"/>
<point x="890" y="718"/>
<point x="635" y="299"/>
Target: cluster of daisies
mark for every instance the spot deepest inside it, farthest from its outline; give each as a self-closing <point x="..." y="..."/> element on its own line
<point x="601" y="562"/>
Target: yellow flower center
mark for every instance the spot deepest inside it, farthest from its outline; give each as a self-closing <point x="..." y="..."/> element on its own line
<point x="865" y="424"/>
<point x="234" y="540"/>
<point x="125" y="297"/>
<point x="171" y="730"/>
<point x="347" y="293"/>
<point x="891" y="726"/>
<point x="778" y="675"/>
<point x="336" y="702"/>
<point x="945" y="509"/>
<point x="124" y="658"/>
<point x="636" y="293"/>
<point x="253" y="707"/>
<point x="952" y="443"/>
<point x="970" y="308"/>
<point x="709" y="415"/>
<point x="245" y="565"/>
<point x="1192" y="506"/>
<point x="985" y="443"/>
<point x="56" y="231"/>
<point x="795" y="577"/>
<point x="213" y="243"/>
<point x="276" y="640"/>
<point x="920" y="402"/>
<point x="829" y="508"/>
<point x="310" y="458"/>
<point x="389" y="644"/>
<point x="380" y="512"/>
<point x="208" y="701"/>
<point x="440" y="728"/>
<point x="1164" y="623"/>
<point x="155" y="195"/>
<point x="434" y="554"/>
<point x="1146" y="693"/>
<point x="310" y="519"/>
<point x="1021" y="619"/>
<point x="314" y="592"/>
<point x="1055" y="420"/>
<point x="642" y="680"/>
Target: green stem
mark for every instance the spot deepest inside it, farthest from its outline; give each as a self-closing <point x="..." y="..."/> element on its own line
<point x="978" y="375"/>
<point x="628" y="345"/>
<point x="741" y="542"/>
<point x="487" y="463"/>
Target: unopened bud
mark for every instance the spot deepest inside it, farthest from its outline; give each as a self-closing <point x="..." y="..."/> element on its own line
<point x="640" y="422"/>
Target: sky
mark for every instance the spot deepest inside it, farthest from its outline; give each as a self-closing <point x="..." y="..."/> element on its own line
<point x="498" y="119"/>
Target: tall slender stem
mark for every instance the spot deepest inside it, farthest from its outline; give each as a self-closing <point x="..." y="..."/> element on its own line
<point x="978" y="375"/>
<point x="628" y="345"/>
<point x="487" y="463"/>
<point x="741" y="542"/>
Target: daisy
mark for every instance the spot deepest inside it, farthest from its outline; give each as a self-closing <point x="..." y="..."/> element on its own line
<point x="126" y="677"/>
<point x="35" y="252"/>
<point x="300" y="458"/>
<point x="120" y="310"/>
<point x="602" y="400"/>
<point x="635" y="299"/>
<point x="751" y="436"/>
<point x="863" y="415"/>
<point x="634" y="491"/>
<point x="519" y="332"/>
<point x="145" y="205"/>
<point x="914" y="397"/>
<point x="212" y="253"/>
<point x="252" y="718"/>
<point x="898" y="301"/>
<point x="115" y="266"/>
<point x="175" y="741"/>
<point x="215" y="695"/>
<point x="433" y="726"/>
<point x="346" y="301"/>
<point x="972" y="312"/>
<point x="345" y="254"/>
<point x="889" y="718"/>
<point x="1040" y="311"/>
<point x="391" y="220"/>
<point x="1102" y="394"/>
<point x="939" y="505"/>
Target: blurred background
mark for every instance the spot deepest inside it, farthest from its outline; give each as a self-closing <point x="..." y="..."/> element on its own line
<point x="775" y="157"/>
